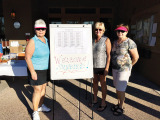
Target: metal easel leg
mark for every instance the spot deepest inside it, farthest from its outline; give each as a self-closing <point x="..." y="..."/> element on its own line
<point x="86" y="88"/>
<point x="92" y="96"/>
<point x="79" y="98"/>
<point x="53" y="85"/>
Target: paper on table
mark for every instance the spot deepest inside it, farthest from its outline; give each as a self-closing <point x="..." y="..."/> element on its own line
<point x="14" y="44"/>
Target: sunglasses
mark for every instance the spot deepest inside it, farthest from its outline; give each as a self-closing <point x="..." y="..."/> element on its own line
<point x="40" y="29"/>
<point x="120" y="31"/>
<point x="98" y="29"/>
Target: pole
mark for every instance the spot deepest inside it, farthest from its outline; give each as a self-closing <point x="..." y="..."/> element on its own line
<point x="86" y="88"/>
<point x="79" y="97"/>
<point x="92" y="96"/>
<point x="53" y="85"/>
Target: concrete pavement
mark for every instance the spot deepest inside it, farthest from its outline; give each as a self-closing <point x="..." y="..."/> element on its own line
<point x="142" y="100"/>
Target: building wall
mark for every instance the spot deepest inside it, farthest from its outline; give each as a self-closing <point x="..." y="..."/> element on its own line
<point x="128" y="8"/>
<point x="1" y="9"/>
<point x="150" y="66"/>
<point x="129" y="11"/>
<point x="27" y="11"/>
<point x="23" y="15"/>
<point x="63" y="17"/>
<point x="39" y="10"/>
<point x="133" y="11"/>
<point x="82" y="3"/>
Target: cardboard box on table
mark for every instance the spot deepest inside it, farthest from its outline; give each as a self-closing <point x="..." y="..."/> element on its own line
<point x="21" y="56"/>
<point x="16" y="49"/>
<point x="19" y="48"/>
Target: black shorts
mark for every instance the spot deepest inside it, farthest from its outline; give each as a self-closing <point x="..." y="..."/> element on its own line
<point x="99" y="71"/>
<point x="41" y="77"/>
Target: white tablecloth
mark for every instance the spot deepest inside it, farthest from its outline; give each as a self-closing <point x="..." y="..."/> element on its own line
<point x="16" y="68"/>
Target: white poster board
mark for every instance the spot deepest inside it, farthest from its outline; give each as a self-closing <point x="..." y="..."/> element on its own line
<point x="71" y="51"/>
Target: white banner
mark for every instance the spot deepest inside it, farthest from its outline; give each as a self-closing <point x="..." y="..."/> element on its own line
<point x="71" y="51"/>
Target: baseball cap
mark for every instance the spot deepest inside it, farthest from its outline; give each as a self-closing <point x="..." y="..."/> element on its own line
<point x="40" y="24"/>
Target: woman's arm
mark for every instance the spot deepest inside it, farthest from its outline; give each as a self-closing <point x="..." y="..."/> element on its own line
<point x="135" y="55"/>
<point x="108" y="50"/>
<point x="28" y="55"/>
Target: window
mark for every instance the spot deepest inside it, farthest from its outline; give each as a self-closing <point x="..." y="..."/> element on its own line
<point x="72" y="22"/>
<point x="55" y="20"/>
<point x="144" y="30"/>
<point x="1" y="27"/>
<point x="80" y="10"/>
<point x="105" y="10"/>
<point x="88" y="22"/>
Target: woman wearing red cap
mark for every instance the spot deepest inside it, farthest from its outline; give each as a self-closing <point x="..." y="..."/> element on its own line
<point x="37" y="58"/>
<point x="123" y="50"/>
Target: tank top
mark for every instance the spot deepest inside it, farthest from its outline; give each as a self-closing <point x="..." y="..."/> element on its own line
<point x="40" y="58"/>
<point x="99" y="53"/>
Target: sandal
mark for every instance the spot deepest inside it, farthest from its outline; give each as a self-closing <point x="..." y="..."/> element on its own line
<point x="114" y="107"/>
<point x="118" y="112"/>
<point x="92" y="104"/>
<point x="101" y="108"/>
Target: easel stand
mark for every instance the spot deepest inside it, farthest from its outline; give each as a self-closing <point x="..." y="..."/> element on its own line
<point x="86" y="96"/>
<point x="79" y="99"/>
<point x="92" y="96"/>
<point x="53" y="85"/>
<point x="54" y="98"/>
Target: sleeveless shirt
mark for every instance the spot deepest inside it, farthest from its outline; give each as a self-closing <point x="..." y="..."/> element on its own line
<point x="40" y="58"/>
<point x="99" y="53"/>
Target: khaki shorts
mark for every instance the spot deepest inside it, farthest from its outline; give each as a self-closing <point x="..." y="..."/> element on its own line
<point x="120" y="79"/>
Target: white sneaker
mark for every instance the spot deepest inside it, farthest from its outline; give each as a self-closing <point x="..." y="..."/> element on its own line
<point x="44" y="108"/>
<point x="35" y="115"/>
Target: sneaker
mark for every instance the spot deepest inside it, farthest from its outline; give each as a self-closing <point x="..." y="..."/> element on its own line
<point x="44" y="108"/>
<point x="35" y="115"/>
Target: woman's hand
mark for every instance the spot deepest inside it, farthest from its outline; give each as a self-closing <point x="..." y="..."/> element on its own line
<point x="105" y="72"/>
<point x="135" y="55"/>
<point x="34" y="75"/>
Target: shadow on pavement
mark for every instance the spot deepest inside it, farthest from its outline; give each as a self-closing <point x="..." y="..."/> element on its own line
<point x="139" y="94"/>
<point x="17" y="83"/>
<point x="73" y="90"/>
<point x="23" y="92"/>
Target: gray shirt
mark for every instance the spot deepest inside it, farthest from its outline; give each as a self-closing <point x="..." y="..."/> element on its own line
<point x="99" y="53"/>
<point x="121" y="59"/>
